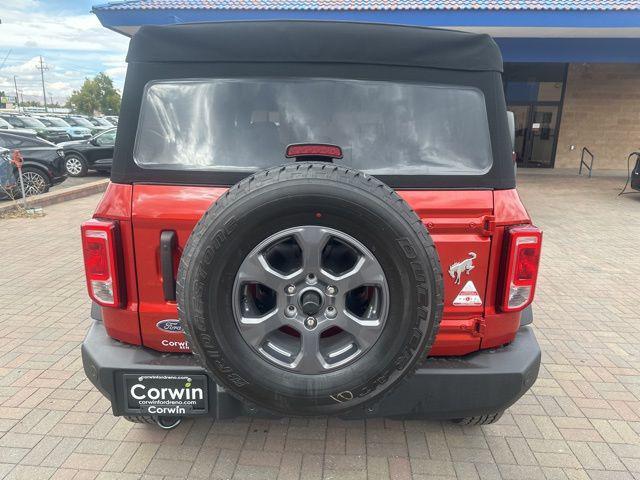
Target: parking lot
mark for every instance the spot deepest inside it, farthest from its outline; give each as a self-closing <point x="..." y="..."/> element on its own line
<point x="581" y="420"/>
<point x="75" y="181"/>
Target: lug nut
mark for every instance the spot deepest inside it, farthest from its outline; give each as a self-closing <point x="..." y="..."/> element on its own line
<point x="310" y="323"/>
<point x="331" y="312"/>
<point x="290" y="289"/>
<point x="290" y="311"/>
<point x="331" y="290"/>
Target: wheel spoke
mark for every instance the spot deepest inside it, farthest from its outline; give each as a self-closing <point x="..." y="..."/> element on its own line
<point x="254" y="330"/>
<point x="366" y="271"/>
<point x="255" y="268"/>
<point x="365" y="332"/>
<point x="311" y="241"/>
<point x="309" y="359"/>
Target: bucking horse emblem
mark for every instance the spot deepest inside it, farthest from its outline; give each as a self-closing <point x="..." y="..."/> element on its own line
<point x="457" y="269"/>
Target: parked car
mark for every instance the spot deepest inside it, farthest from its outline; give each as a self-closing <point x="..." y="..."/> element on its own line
<point x="7" y="174"/>
<point x="75" y="133"/>
<point x="95" y="153"/>
<point x="43" y="164"/>
<point x="101" y="122"/>
<point x="4" y="125"/>
<point x="328" y="230"/>
<point x="80" y="121"/>
<point x="113" y="119"/>
<point x="52" y="134"/>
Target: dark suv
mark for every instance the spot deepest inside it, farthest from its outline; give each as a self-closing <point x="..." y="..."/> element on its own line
<point x="311" y="218"/>
<point x="94" y="153"/>
<point x="43" y="164"/>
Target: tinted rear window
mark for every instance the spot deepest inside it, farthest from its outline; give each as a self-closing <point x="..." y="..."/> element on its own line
<point x="383" y="128"/>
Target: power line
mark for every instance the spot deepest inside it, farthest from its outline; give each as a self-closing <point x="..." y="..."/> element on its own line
<point x="5" y="58"/>
<point x="42" y="69"/>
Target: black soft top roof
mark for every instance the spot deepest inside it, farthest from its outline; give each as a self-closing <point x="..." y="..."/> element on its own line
<point x="315" y="42"/>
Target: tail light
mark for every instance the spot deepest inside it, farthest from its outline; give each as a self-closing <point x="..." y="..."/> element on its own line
<point x="100" y="249"/>
<point x="313" y="150"/>
<point x="521" y="267"/>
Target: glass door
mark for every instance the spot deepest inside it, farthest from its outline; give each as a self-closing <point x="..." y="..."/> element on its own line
<point x="536" y="133"/>
<point x="534" y="93"/>
<point x="544" y="131"/>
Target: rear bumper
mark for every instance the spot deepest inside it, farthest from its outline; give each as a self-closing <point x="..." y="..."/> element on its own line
<point x="442" y="388"/>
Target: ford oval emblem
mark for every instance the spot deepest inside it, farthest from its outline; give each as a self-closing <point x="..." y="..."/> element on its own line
<point x="172" y="326"/>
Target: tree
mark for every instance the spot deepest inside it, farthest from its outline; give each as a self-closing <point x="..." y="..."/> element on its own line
<point x="96" y="95"/>
<point x="31" y="103"/>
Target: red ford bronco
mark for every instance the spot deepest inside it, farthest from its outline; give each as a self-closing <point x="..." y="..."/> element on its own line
<point x="311" y="218"/>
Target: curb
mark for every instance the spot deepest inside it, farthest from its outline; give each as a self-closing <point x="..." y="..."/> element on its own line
<point x="59" y="196"/>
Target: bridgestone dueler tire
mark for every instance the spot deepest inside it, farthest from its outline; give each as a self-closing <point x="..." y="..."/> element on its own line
<point x="291" y="196"/>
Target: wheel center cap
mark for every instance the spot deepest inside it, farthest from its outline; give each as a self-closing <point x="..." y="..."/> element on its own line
<point x="310" y="302"/>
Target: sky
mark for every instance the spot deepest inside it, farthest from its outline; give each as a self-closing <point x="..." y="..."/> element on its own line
<point x="70" y="39"/>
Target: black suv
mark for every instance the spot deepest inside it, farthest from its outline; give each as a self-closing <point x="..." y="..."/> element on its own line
<point x="95" y="153"/>
<point x="43" y="164"/>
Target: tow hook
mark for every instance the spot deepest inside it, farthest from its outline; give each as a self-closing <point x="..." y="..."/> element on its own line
<point x="168" y="423"/>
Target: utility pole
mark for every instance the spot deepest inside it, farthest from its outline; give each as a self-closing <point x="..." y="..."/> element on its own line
<point x="15" y="84"/>
<point x="42" y="68"/>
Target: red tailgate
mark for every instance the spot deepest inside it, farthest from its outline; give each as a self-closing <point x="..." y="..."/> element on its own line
<point x="457" y="221"/>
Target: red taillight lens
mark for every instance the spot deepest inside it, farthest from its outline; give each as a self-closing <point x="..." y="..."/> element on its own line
<point x="99" y="246"/>
<point x="313" y="150"/>
<point x="524" y="245"/>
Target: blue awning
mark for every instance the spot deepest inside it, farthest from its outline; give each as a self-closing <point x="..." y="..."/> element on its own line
<point x="526" y="30"/>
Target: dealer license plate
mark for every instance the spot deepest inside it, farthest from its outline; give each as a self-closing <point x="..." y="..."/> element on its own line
<point x="166" y="394"/>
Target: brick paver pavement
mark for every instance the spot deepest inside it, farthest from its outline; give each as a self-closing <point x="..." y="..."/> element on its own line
<point x="580" y="421"/>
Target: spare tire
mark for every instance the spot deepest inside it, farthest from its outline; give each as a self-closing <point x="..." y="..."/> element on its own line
<point x="310" y="289"/>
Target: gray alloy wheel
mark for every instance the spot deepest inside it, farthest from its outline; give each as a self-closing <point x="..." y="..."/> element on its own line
<point x="75" y="166"/>
<point x="310" y="299"/>
<point x="35" y="183"/>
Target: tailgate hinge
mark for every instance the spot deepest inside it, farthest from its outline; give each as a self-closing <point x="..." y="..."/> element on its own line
<point x="488" y="225"/>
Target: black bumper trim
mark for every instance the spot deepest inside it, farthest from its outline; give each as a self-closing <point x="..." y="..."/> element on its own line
<point x="480" y="383"/>
<point x="526" y="317"/>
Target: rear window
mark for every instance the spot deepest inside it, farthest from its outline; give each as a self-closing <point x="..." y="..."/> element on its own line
<point x="383" y="128"/>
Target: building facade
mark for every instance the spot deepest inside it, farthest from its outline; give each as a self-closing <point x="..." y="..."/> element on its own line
<point x="572" y="67"/>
